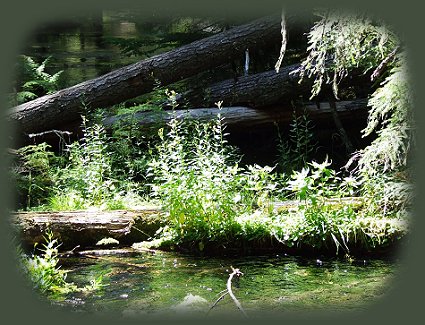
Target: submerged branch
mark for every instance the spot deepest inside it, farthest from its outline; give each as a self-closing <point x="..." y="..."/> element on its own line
<point x="237" y="273"/>
<point x="229" y="289"/>
<point x="217" y="301"/>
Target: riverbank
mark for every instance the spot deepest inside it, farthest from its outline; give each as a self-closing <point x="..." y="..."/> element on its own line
<point x="336" y="228"/>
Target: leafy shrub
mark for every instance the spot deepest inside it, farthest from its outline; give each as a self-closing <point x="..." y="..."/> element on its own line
<point x="318" y="181"/>
<point x="89" y="170"/>
<point x="196" y="183"/>
<point x="83" y="176"/>
<point x="34" y="173"/>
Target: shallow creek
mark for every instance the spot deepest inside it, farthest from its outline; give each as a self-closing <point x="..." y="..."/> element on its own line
<point x="164" y="284"/>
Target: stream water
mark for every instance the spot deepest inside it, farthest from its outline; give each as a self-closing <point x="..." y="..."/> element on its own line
<point x="164" y="284"/>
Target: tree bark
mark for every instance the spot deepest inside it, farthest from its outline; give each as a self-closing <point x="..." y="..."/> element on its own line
<point x="86" y="228"/>
<point x="244" y="116"/>
<point x="256" y="90"/>
<point x="337" y="119"/>
<point x="130" y="81"/>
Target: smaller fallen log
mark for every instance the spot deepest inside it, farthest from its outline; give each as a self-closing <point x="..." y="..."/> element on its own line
<point x="86" y="228"/>
<point x="242" y="116"/>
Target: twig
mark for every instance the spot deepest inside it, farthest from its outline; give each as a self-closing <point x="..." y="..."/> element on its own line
<point x="376" y="73"/>
<point x="217" y="301"/>
<point x="12" y="151"/>
<point x="57" y="132"/>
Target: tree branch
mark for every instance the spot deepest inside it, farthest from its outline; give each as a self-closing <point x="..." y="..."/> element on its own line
<point x="229" y="289"/>
<point x="376" y="73"/>
<point x="237" y="273"/>
<point x="284" y="41"/>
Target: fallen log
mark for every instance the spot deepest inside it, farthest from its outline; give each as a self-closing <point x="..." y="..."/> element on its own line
<point x="66" y="105"/>
<point x="255" y="90"/>
<point x="86" y="228"/>
<point x="243" y="116"/>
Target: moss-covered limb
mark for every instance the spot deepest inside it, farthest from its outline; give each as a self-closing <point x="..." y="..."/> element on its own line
<point x="86" y="228"/>
<point x="354" y="202"/>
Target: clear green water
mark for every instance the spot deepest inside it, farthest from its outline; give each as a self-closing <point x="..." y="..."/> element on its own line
<point x="152" y="285"/>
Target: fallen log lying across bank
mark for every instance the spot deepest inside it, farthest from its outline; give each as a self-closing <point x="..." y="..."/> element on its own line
<point x="86" y="228"/>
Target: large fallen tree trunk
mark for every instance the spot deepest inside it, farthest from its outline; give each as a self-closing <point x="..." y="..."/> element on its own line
<point x="86" y="228"/>
<point x="128" y="82"/>
<point x="265" y="88"/>
<point x="255" y="90"/>
<point x="244" y="116"/>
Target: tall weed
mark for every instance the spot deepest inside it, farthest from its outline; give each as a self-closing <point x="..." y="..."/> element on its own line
<point x="198" y="178"/>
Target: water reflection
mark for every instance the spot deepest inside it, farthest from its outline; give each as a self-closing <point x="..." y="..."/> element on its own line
<point x="80" y="46"/>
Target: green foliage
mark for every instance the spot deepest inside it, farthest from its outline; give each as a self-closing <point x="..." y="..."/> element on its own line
<point x="89" y="179"/>
<point x="338" y="43"/>
<point x="195" y="181"/>
<point x="44" y="273"/>
<point x="318" y="181"/>
<point x="296" y="150"/>
<point x="87" y="174"/>
<point x="391" y="110"/>
<point x="90" y="165"/>
<point x="388" y="194"/>
<point x="35" y="81"/>
<point x="323" y="216"/>
<point x="342" y="226"/>
<point x="208" y="198"/>
<point x="201" y="186"/>
<point x="33" y="173"/>
<point x="135" y="144"/>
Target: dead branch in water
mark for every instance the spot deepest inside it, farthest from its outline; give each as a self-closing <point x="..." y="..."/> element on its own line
<point x="237" y="273"/>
